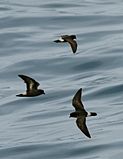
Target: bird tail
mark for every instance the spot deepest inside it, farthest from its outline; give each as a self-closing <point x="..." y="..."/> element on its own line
<point x="57" y="41"/>
<point x="92" y="114"/>
<point x="19" y="95"/>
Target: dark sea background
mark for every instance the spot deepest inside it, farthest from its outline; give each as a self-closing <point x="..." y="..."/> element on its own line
<point x="40" y="127"/>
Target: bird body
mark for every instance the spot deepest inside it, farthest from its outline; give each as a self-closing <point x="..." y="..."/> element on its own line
<point x="80" y="113"/>
<point x="32" y="87"/>
<point x="70" y="39"/>
<point x="31" y="93"/>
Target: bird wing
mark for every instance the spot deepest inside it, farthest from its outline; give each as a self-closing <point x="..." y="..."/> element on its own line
<point x="81" y="123"/>
<point x="76" y="102"/>
<point x="72" y="43"/>
<point x="30" y="82"/>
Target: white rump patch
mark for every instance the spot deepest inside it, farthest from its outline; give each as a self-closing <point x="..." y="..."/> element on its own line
<point x="89" y="114"/>
<point x="60" y="39"/>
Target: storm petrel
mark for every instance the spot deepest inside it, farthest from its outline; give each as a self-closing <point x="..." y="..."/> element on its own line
<point x="70" y="39"/>
<point x="32" y="87"/>
<point x="81" y="113"/>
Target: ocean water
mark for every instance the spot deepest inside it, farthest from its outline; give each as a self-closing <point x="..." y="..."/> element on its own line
<point x="40" y="127"/>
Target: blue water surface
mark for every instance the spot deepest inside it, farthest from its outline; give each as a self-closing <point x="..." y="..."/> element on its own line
<point x="40" y="127"/>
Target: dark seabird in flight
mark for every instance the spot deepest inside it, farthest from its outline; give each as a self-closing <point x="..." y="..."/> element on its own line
<point x="70" y="39"/>
<point x="81" y="113"/>
<point x="32" y="87"/>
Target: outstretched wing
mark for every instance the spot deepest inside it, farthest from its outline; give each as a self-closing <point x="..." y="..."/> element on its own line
<point x="30" y="82"/>
<point x="72" y="43"/>
<point x="76" y="102"/>
<point x="81" y="123"/>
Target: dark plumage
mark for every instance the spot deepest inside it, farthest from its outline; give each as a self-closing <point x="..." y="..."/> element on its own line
<point x="70" y="39"/>
<point x="32" y="87"/>
<point x="81" y="113"/>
